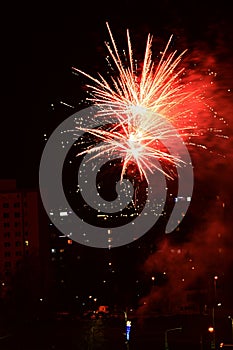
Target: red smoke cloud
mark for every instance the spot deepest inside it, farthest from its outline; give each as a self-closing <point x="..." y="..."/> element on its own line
<point x="208" y="250"/>
<point x="191" y="265"/>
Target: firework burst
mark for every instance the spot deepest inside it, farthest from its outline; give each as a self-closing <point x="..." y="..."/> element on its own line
<point x="152" y="105"/>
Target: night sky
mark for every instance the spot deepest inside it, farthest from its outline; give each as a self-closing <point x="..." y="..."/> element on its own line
<point x="40" y="45"/>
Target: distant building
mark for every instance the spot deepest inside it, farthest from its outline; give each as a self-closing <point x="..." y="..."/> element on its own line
<point x="19" y="231"/>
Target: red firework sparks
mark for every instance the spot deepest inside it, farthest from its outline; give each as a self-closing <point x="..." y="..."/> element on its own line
<point x="152" y="104"/>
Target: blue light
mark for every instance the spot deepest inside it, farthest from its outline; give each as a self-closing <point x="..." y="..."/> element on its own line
<point x="128" y="327"/>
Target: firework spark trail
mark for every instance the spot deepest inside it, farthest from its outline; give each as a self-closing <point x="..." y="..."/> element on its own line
<point x="146" y="103"/>
<point x="129" y="146"/>
<point x="155" y="88"/>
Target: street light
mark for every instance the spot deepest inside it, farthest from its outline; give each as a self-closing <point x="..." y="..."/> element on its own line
<point x="166" y="333"/>
<point x="231" y="327"/>
<point x="213" y="345"/>
<point x="215" y="285"/>
<point x="153" y="280"/>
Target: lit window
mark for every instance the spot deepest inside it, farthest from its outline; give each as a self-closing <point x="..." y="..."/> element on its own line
<point x="26" y="243"/>
<point x="62" y="250"/>
<point x="63" y="213"/>
<point x="69" y="241"/>
<point x="53" y="250"/>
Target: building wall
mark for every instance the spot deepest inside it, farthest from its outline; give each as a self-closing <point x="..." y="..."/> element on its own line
<point x="19" y="229"/>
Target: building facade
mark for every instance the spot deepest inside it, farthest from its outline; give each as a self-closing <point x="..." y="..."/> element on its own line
<point x="19" y="232"/>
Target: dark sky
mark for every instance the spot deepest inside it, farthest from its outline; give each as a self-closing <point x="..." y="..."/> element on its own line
<point x="41" y="43"/>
